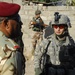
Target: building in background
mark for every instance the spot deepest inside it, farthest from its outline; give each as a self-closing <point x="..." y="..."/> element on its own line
<point x="50" y="2"/>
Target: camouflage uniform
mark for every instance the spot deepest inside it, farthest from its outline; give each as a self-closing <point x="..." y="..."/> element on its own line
<point x="59" y="60"/>
<point x="8" y="50"/>
<point x="37" y="29"/>
<point x="53" y="51"/>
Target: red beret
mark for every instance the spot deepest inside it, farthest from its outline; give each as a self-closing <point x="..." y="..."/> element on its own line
<point x="8" y="9"/>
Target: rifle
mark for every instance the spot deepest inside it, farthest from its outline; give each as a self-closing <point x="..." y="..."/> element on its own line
<point x="45" y="60"/>
<point x="34" y="23"/>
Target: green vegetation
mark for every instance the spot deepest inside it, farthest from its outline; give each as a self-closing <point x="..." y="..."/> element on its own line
<point x="47" y="1"/>
<point x="54" y="0"/>
<point x="70" y="2"/>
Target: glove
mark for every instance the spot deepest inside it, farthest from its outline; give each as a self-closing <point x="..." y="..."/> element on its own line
<point x="38" y="71"/>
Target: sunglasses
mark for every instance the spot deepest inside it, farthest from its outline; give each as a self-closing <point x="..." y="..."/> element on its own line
<point x="58" y="26"/>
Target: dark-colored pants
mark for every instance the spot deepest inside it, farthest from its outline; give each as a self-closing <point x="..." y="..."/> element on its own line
<point x="60" y="71"/>
<point x="53" y="71"/>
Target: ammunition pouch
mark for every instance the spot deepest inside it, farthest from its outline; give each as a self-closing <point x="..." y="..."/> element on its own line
<point x="56" y="71"/>
<point x="67" y="56"/>
<point x="59" y="70"/>
<point x="71" y="72"/>
<point x="64" y="54"/>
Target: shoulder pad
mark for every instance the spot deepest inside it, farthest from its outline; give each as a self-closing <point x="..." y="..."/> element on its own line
<point x="44" y="43"/>
<point x="13" y="45"/>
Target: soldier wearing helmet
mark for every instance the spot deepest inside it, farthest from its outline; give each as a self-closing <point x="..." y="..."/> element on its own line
<point x="61" y="21"/>
<point x="37" y="25"/>
<point x="55" y="54"/>
<point x="37" y="12"/>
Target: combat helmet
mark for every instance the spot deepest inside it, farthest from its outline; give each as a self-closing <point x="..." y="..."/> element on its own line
<point x="37" y="12"/>
<point x="61" y="19"/>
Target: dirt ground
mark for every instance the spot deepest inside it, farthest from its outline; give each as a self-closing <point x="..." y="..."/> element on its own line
<point x="29" y="69"/>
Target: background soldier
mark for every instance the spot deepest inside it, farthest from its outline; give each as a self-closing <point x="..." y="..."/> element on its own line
<point x="9" y="50"/>
<point x="37" y="26"/>
<point x="56" y="55"/>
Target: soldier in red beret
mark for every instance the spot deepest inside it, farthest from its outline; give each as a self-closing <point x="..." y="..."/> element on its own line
<point x="10" y="25"/>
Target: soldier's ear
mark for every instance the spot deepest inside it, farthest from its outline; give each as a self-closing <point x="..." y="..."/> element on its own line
<point x="5" y="21"/>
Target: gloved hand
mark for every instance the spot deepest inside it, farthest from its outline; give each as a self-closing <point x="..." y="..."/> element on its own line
<point x="38" y="71"/>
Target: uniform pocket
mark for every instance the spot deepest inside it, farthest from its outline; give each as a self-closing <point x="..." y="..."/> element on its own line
<point x="60" y="72"/>
<point x="52" y="71"/>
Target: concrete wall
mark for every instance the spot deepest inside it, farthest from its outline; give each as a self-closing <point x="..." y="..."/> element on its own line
<point x="27" y="12"/>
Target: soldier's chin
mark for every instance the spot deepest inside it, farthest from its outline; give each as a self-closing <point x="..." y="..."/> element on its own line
<point x="58" y="34"/>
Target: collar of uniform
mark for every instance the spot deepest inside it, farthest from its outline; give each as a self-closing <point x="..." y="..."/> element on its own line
<point x="1" y="33"/>
<point x="58" y="42"/>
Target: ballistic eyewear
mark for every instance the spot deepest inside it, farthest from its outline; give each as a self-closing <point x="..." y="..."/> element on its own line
<point x="58" y="26"/>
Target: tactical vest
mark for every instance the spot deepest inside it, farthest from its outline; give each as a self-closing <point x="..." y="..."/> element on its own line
<point x="58" y="52"/>
<point x="39" y="24"/>
<point x="54" y="49"/>
<point x="59" y="58"/>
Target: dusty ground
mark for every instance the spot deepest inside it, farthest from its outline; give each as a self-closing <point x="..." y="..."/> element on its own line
<point x="29" y="68"/>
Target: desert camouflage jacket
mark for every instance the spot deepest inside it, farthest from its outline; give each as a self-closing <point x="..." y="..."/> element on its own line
<point x="8" y="62"/>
